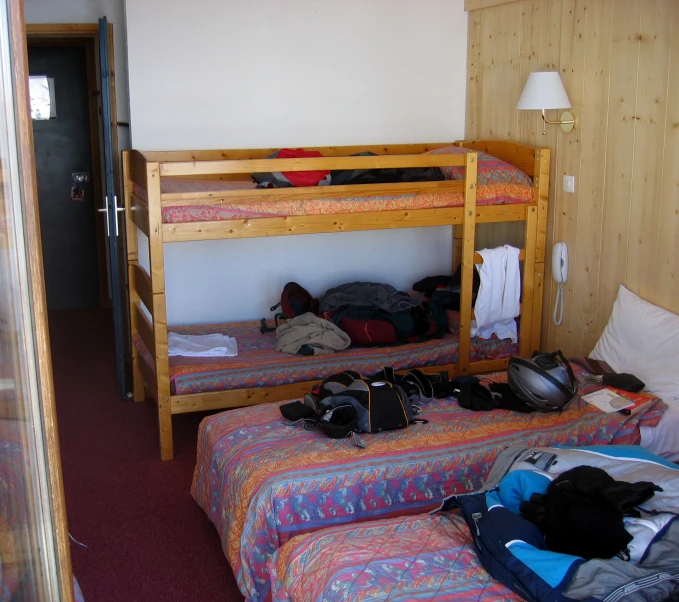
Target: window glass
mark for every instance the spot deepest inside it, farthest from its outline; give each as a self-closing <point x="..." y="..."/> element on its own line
<point x="29" y="570"/>
<point x="41" y="90"/>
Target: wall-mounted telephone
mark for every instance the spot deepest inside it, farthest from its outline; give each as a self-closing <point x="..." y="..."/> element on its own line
<point x="560" y="262"/>
<point x="560" y="274"/>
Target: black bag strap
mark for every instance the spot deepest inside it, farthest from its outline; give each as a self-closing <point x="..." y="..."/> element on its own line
<point x="264" y="328"/>
<point x="389" y="375"/>
<point x="423" y="384"/>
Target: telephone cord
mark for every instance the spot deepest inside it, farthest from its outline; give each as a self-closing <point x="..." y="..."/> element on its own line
<point x="558" y="305"/>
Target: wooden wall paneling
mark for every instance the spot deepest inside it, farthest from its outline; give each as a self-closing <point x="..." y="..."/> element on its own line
<point x="549" y="58"/>
<point x="531" y="28"/>
<point x="509" y="86"/>
<point x="471" y="5"/>
<point x="474" y="75"/>
<point x="550" y="34"/>
<point x="570" y="51"/>
<point x="499" y="79"/>
<point x="666" y="285"/>
<point x="655" y="33"/>
<point x="622" y="99"/>
<point x="596" y="76"/>
<point x="491" y="66"/>
<point x="622" y="223"/>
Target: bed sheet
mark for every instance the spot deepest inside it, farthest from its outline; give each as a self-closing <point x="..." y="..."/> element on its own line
<point x="423" y="557"/>
<point x="262" y="481"/>
<point x="490" y="194"/>
<point x="663" y="439"/>
<point x="258" y="364"/>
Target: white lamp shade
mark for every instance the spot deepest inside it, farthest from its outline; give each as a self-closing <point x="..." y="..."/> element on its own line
<point x="544" y="90"/>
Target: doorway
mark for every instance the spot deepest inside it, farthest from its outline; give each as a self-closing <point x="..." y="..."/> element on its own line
<point x="78" y="167"/>
<point x="68" y="166"/>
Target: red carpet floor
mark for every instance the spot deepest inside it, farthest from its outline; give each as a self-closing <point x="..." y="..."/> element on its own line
<point x="146" y="538"/>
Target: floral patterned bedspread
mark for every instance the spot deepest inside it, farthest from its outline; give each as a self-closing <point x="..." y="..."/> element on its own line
<point x="423" y="557"/>
<point x="262" y="481"/>
<point x="489" y="194"/>
<point x="258" y="364"/>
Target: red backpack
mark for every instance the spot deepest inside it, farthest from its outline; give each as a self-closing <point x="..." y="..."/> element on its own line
<point x="295" y="301"/>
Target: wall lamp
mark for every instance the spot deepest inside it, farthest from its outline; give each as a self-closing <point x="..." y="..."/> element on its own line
<point x="544" y="90"/>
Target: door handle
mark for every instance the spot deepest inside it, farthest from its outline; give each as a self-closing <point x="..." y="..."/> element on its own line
<point x="117" y="210"/>
<point x="104" y="210"/>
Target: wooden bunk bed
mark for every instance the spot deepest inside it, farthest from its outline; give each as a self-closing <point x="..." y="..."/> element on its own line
<point x="146" y="201"/>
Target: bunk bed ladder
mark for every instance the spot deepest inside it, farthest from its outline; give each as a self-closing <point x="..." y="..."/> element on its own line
<point x="157" y="264"/>
<point x="149" y="290"/>
<point x="133" y="277"/>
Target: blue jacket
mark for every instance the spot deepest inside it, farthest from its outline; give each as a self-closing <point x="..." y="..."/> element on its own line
<point x="513" y="550"/>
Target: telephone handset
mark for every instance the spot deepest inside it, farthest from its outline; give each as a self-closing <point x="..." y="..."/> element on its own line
<point x="560" y="274"/>
<point x="560" y="262"/>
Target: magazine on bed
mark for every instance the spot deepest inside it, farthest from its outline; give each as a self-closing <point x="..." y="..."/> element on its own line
<point x="611" y="399"/>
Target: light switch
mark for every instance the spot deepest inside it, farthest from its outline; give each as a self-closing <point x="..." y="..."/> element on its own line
<point x="569" y="183"/>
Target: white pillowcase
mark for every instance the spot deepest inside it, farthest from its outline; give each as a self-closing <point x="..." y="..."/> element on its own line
<point x="642" y="339"/>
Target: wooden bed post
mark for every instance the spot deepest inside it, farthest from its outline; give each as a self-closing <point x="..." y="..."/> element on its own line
<point x="528" y="285"/>
<point x="467" y="282"/>
<point x="457" y="246"/>
<point x="541" y="183"/>
<point x="132" y="258"/>
<point x="157" y="262"/>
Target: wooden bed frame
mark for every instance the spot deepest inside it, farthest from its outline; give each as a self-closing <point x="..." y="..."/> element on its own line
<point x="145" y="170"/>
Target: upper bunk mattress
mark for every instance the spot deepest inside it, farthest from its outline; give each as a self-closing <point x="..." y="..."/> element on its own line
<point x="488" y="194"/>
<point x="258" y="364"/>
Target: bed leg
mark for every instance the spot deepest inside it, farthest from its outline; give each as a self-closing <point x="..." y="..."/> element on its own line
<point x="165" y="429"/>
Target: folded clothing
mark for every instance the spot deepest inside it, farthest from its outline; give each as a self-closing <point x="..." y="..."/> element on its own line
<point x="204" y="345"/>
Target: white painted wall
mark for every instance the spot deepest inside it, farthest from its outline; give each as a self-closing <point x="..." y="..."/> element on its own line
<point x="90" y="11"/>
<point x="263" y="73"/>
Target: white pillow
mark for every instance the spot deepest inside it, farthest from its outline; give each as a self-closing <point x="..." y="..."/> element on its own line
<point x="642" y="339"/>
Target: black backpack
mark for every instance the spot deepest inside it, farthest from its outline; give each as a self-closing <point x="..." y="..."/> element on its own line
<point x="380" y="405"/>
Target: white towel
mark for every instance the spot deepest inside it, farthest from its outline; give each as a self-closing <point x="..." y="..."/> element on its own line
<point x="205" y="345"/>
<point x="498" y="299"/>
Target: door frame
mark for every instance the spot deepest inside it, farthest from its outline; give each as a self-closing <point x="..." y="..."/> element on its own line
<point x="87" y="35"/>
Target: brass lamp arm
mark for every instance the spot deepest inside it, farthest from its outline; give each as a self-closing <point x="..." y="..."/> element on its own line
<point x="567" y="122"/>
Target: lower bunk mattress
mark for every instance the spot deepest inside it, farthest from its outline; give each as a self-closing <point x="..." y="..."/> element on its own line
<point x="262" y="481"/>
<point x="258" y="364"/>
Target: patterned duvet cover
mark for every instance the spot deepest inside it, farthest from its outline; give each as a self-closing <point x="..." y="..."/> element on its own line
<point x="262" y="481"/>
<point x="423" y="557"/>
<point x="489" y="194"/>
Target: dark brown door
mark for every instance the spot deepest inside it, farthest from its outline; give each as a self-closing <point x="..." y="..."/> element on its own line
<point x="67" y="211"/>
